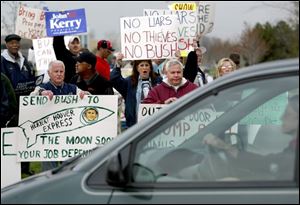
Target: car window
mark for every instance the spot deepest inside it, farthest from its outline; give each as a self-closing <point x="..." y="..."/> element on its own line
<point x="246" y="118"/>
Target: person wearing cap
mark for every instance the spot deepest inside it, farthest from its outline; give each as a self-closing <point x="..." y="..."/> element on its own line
<point x="87" y="78"/>
<point x="20" y="73"/>
<point x="65" y="55"/>
<point x="15" y="66"/>
<point x="104" y="49"/>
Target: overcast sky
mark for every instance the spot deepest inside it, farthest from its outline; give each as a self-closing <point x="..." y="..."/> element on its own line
<point x="103" y="17"/>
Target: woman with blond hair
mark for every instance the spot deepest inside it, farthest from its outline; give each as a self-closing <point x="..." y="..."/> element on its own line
<point x="225" y="66"/>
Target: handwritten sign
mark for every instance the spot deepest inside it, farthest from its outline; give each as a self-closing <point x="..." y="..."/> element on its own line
<point x="179" y="131"/>
<point x="183" y="6"/>
<point x="10" y="168"/>
<point x="146" y="110"/>
<point x="44" y="54"/>
<point x="149" y="37"/>
<point x="206" y="15"/>
<point x="186" y="26"/>
<point x="65" y="126"/>
<point x="30" y="23"/>
<point x="65" y="22"/>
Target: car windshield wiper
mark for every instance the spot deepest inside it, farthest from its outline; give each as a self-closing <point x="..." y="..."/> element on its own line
<point x="65" y="163"/>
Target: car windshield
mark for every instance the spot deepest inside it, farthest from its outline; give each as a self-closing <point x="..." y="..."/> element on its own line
<point x="247" y="116"/>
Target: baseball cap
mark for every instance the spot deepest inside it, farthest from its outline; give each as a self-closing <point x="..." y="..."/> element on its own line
<point x="105" y="44"/>
<point x="87" y="57"/>
<point x="72" y="38"/>
<point x="11" y="37"/>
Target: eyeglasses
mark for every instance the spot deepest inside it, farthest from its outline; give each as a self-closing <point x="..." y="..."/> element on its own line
<point x="225" y="67"/>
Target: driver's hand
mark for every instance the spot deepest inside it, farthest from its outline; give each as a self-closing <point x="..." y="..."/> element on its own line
<point x="216" y="142"/>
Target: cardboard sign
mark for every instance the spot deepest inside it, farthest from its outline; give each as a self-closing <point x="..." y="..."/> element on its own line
<point x="30" y="23"/>
<point x="149" y="37"/>
<point x="206" y="16"/>
<point x="44" y="54"/>
<point x="65" y="22"/>
<point x="65" y="126"/>
<point x="186" y="26"/>
<point x="10" y="168"/>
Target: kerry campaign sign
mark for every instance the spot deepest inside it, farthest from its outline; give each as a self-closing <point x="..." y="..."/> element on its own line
<point x="65" y="22"/>
<point x="65" y="126"/>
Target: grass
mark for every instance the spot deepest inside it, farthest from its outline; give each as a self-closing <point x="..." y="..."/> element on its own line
<point x="35" y="167"/>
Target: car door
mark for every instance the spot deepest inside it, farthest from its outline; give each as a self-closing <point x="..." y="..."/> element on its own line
<point x="170" y="163"/>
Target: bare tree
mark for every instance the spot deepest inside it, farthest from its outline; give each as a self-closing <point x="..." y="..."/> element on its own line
<point x="9" y="14"/>
<point x="252" y="46"/>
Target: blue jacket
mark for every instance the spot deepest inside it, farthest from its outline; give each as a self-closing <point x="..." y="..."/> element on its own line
<point x="21" y="76"/>
<point x="65" y="89"/>
<point x="128" y="92"/>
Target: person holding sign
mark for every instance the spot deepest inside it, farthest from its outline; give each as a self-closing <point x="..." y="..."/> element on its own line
<point x="173" y="87"/>
<point x="65" y="55"/>
<point x="87" y="78"/>
<point x="135" y="87"/>
<point x="56" y="84"/>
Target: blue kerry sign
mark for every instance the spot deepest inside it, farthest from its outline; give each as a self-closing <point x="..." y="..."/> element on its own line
<point x="65" y="22"/>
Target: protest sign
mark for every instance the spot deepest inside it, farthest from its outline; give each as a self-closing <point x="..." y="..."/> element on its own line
<point x="30" y="23"/>
<point x="44" y="54"/>
<point x="186" y="25"/>
<point x="65" y="22"/>
<point x="180" y="131"/>
<point x="146" y="110"/>
<point x="24" y="87"/>
<point x="206" y="15"/>
<point x="10" y="168"/>
<point x="65" y="126"/>
<point x="149" y="37"/>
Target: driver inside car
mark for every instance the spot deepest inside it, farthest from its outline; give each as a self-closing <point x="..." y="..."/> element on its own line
<point x="281" y="164"/>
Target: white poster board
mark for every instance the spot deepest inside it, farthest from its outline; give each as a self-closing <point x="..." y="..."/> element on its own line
<point x="65" y="126"/>
<point x="10" y="168"/>
<point x="206" y="17"/>
<point x="149" y="37"/>
<point x="44" y="54"/>
<point x="30" y="23"/>
<point x="180" y="131"/>
<point x="187" y="25"/>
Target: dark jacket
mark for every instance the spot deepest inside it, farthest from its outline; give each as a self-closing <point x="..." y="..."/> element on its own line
<point x="159" y="94"/>
<point x="97" y="85"/>
<point x="128" y="92"/>
<point x="63" y="54"/>
<point x="22" y="77"/>
<point x="9" y="106"/>
<point x="65" y="89"/>
<point x="192" y="68"/>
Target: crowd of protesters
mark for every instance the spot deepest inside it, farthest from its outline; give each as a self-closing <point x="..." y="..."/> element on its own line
<point x="78" y="71"/>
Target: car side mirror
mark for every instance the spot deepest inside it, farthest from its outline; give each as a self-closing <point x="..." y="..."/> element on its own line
<point x="115" y="174"/>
